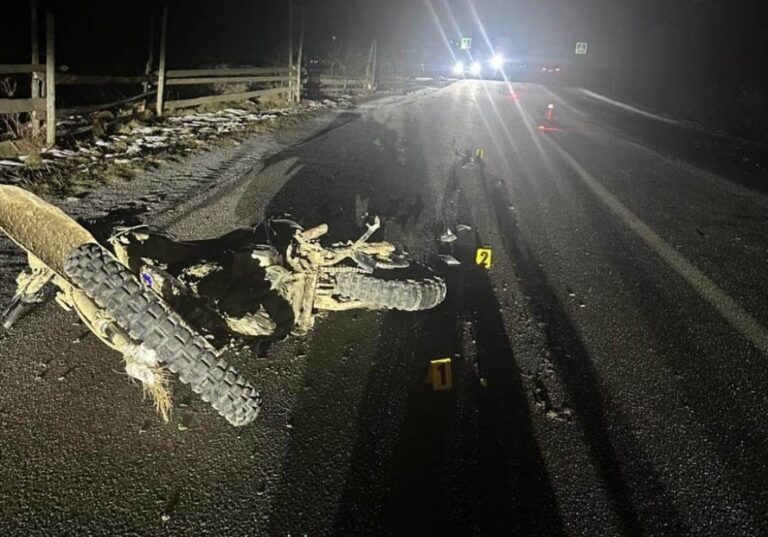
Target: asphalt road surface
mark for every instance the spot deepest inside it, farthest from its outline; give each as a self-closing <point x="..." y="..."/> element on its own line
<point x="609" y="369"/>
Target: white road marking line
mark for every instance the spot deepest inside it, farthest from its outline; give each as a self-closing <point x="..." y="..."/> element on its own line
<point x="745" y="323"/>
<point x="630" y="108"/>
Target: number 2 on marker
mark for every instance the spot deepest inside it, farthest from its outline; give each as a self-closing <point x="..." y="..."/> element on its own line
<point x="484" y="257"/>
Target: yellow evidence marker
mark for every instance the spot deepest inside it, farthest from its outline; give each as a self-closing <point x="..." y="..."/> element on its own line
<point x="440" y="374"/>
<point x="484" y="257"/>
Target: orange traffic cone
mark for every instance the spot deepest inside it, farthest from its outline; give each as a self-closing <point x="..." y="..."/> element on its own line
<point x="549" y="124"/>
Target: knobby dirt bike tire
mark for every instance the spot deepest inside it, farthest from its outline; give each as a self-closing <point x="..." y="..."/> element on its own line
<point x="406" y="295"/>
<point x="147" y="319"/>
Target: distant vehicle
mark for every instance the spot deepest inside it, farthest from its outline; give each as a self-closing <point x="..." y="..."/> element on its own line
<point x="497" y="67"/>
<point x="550" y="69"/>
<point x="471" y="69"/>
<point x="491" y="67"/>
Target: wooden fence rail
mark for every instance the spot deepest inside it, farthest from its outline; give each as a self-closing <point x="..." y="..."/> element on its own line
<point x="70" y="79"/>
<point x="21" y="69"/>
<point x="90" y="108"/>
<point x="225" y="80"/>
<point x="334" y="86"/>
<point x="362" y="83"/>
<point x="20" y="106"/>
<point x="225" y="71"/>
<point x="227" y="97"/>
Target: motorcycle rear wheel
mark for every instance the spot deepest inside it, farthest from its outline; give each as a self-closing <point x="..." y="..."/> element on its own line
<point x="405" y="295"/>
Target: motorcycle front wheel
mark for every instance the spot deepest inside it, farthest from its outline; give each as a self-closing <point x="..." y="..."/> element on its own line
<point x="148" y="319"/>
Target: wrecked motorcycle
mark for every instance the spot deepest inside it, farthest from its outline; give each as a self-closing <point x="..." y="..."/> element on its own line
<point x="169" y="305"/>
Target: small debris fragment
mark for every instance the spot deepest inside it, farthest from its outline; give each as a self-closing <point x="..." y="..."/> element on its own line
<point x="42" y="370"/>
<point x="261" y="487"/>
<point x="448" y="236"/>
<point x="449" y="259"/>
<point x="65" y="373"/>
<point x="165" y="516"/>
<point x="186" y="423"/>
<point x="562" y="415"/>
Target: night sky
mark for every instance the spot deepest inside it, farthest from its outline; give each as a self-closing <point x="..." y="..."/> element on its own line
<point x="96" y="32"/>
<point x="686" y="55"/>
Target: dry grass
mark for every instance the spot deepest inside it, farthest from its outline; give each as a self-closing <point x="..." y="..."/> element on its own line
<point x="12" y="123"/>
<point x="160" y="393"/>
<point x="16" y="127"/>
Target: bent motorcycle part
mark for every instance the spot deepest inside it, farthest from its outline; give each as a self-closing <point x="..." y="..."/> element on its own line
<point x="15" y="311"/>
<point x="43" y="230"/>
<point x="29" y="292"/>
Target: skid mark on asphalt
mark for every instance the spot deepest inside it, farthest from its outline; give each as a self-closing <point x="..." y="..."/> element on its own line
<point x="340" y="121"/>
<point x="731" y="310"/>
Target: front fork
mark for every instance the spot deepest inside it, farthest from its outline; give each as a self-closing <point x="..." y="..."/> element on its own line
<point x="140" y="363"/>
<point x="304" y="318"/>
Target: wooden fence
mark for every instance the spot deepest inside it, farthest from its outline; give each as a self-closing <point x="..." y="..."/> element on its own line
<point x="336" y="86"/>
<point x="283" y="80"/>
<point x="279" y="82"/>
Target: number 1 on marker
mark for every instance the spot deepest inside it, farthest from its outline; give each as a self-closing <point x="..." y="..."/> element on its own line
<point x="440" y="374"/>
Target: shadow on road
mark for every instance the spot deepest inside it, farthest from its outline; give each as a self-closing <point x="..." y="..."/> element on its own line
<point x="630" y="478"/>
<point x="462" y="462"/>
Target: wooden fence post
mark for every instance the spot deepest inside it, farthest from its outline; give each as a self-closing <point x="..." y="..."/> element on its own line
<point x="161" y="64"/>
<point x="50" y="80"/>
<point x="298" y="63"/>
<point x="374" y="52"/>
<point x="150" y="59"/>
<point x="290" y="49"/>
<point x="35" y="42"/>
